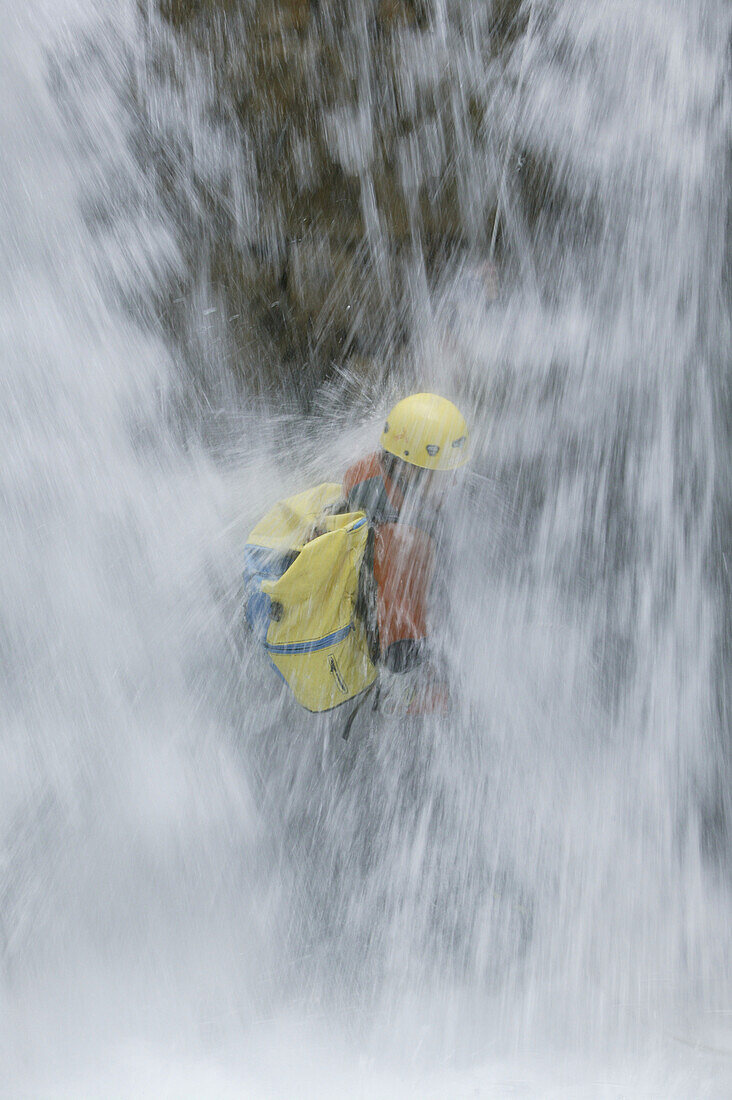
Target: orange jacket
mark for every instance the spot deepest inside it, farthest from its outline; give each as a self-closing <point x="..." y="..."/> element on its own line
<point x="403" y="561"/>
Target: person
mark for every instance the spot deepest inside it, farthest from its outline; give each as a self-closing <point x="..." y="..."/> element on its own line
<point x="402" y="487"/>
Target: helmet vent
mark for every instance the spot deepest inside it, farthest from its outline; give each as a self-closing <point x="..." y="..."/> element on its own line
<point x="427" y="431"/>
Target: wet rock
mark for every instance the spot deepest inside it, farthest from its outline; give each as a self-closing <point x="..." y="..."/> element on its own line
<point x="354" y="141"/>
<point x="397" y="12"/>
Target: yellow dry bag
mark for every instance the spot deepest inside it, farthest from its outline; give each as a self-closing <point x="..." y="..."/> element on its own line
<point x="301" y="567"/>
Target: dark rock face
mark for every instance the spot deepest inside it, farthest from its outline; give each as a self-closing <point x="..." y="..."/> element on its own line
<point x="351" y="146"/>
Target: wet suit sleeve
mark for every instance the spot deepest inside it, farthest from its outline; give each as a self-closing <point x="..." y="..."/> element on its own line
<point x="400" y="655"/>
<point x="403" y="565"/>
<point x="404" y="655"/>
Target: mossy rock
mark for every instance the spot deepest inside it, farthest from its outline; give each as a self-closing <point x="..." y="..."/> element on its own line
<point x="401" y="13"/>
<point x="288" y="78"/>
<point x="508" y="23"/>
<point x="275" y="16"/>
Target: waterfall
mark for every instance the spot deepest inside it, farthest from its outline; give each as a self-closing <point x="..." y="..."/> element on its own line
<point x="202" y="888"/>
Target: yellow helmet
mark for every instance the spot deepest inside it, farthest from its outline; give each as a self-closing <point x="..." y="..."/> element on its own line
<point x="427" y="431"/>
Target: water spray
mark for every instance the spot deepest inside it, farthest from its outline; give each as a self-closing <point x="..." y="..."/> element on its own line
<point x="509" y="147"/>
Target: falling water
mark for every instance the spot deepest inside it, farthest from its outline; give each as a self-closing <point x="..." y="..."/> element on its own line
<point x="205" y="892"/>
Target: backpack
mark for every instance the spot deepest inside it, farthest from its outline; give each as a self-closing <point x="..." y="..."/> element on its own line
<point x="301" y="570"/>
